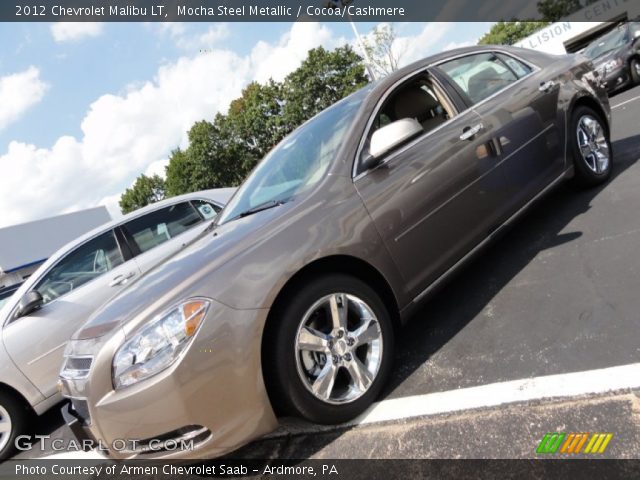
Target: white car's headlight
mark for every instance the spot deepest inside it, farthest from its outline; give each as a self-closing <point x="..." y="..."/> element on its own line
<point x="612" y="64"/>
<point x="156" y="346"/>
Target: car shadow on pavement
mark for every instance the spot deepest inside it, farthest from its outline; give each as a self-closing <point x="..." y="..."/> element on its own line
<point x="469" y="292"/>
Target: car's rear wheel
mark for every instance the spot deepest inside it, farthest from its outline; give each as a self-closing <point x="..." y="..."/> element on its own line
<point x="634" y="67"/>
<point x="13" y="416"/>
<point x="591" y="147"/>
<point x="331" y="351"/>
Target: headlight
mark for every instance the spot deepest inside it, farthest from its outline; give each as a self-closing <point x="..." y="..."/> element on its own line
<point x="612" y="64"/>
<point x="156" y="346"/>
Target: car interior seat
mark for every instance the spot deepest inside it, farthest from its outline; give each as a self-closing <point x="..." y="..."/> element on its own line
<point x="415" y="102"/>
<point x="484" y="83"/>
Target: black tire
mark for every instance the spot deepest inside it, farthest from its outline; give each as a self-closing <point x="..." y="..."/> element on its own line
<point x="585" y="175"/>
<point x="18" y="415"/>
<point x="286" y="386"/>
<point x="634" y="69"/>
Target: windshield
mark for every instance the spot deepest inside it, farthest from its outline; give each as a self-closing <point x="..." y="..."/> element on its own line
<point x="5" y="295"/>
<point x="298" y="162"/>
<point x="608" y="42"/>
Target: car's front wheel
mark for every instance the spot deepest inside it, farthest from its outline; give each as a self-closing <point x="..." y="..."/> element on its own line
<point x="13" y="417"/>
<point x="330" y="350"/>
<point x="590" y="146"/>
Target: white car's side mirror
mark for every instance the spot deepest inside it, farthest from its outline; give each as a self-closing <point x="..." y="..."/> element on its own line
<point x="29" y="303"/>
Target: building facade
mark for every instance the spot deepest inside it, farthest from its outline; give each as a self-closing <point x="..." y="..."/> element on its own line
<point x="577" y="30"/>
<point x="24" y="247"/>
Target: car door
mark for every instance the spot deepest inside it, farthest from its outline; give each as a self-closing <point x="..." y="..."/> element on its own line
<point x="72" y="289"/>
<point x="519" y="105"/>
<point x="435" y="197"/>
<point x="159" y="234"/>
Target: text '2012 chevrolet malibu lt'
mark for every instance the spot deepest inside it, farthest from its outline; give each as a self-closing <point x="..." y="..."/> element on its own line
<point x="289" y="303"/>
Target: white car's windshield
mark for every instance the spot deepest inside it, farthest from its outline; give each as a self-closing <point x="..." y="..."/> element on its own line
<point x="298" y="162"/>
<point x="607" y="43"/>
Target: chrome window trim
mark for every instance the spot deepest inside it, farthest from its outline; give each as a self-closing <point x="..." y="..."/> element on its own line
<point x="357" y="176"/>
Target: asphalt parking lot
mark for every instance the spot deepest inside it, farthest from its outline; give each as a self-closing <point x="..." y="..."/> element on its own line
<point x="558" y="294"/>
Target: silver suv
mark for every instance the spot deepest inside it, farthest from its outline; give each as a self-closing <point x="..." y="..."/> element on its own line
<point x="38" y="320"/>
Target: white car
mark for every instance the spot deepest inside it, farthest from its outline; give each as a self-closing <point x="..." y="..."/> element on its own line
<point x="37" y="321"/>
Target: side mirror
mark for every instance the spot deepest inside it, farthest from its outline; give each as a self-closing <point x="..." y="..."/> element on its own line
<point x="392" y="135"/>
<point x="29" y="303"/>
<point x="636" y="34"/>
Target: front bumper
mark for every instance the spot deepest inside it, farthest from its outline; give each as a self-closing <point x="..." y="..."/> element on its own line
<point x="76" y="425"/>
<point x="210" y="402"/>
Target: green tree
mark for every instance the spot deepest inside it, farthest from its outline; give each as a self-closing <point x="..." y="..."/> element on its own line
<point x="322" y="79"/>
<point x="254" y="119"/>
<point x="212" y="160"/>
<point x="508" y="33"/>
<point x="554" y="10"/>
<point x="145" y="190"/>
<point x="179" y="173"/>
<point x="221" y="153"/>
<point x="383" y="52"/>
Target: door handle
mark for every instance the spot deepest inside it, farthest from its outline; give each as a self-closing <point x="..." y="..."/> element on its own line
<point x="546" y="86"/>
<point x="121" y="279"/>
<point x="469" y="132"/>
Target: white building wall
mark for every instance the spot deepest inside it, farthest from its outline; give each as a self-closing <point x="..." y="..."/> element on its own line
<point x="24" y="247"/>
<point x="19" y="276"/>
<point x="552" y="39"/>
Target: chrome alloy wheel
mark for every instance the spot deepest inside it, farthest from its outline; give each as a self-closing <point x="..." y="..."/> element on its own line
<point x="338" y="348"/>
<point x="593" y="144"/>
<point x="5" y="427"/>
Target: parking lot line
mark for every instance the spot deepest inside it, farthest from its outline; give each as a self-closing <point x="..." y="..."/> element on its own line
<point x="625" y="102"/>
<point x="566" y="385"/>
<point x="612" y="379"/>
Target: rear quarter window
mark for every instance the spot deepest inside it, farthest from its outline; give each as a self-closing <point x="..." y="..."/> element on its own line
<point x="160" y="226"/>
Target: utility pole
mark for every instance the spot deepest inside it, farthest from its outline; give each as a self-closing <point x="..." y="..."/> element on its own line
<point x="367" y="60"/>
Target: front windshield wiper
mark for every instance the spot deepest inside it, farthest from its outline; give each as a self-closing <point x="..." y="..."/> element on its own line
<point x="260" y="208"/>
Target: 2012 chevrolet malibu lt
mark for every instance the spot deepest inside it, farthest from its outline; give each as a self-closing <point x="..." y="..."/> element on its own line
<point x="289" y="303"/>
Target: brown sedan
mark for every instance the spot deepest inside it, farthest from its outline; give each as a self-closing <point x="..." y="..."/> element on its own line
<point x="289" y="302"/>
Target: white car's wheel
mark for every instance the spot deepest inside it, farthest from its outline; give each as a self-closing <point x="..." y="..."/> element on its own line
<point x="12" y="422"/>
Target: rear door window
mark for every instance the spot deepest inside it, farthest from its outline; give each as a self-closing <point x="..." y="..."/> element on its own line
<point x="479" y="76"/>
<point x="207" y="210"/>
<point x="519" y="68"/>
<point x="160" y="226"/>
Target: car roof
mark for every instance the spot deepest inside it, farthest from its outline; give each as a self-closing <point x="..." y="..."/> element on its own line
<point x="220" y="196"/>
<point x="388" y="81"/>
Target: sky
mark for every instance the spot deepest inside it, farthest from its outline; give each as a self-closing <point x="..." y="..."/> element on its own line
<point x="85" y="108"/>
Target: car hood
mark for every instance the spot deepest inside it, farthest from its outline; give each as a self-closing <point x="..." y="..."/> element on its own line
<point x="608" y="56"/>
<point x="168" y="282"/>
